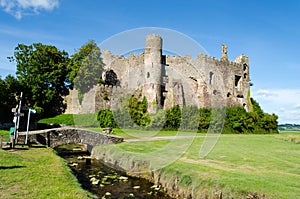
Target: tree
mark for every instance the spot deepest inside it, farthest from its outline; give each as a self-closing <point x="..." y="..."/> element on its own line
<point x="106" y="118"/>
<point x="42" y="71"/>
<point x="86" y="67"/>
<point x="173" y="118"/>
<point x="256" y="108"/>
<point x="3" y="101"/>
<point x="204" y="119"/>
<point x="138" y="111"/>
<point x="10" y="89"/>
<point x="190" y="118"/>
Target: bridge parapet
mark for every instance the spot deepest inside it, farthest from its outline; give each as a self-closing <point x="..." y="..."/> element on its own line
<point x="60" y="136"/>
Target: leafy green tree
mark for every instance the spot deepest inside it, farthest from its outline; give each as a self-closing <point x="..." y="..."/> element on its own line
<point x="173" y="118"/>
<point x="265" y="123"/>
<point x="256" y="108"/>
<point x="42" y="72"/>
<point x="190" y="118"/>
<point x="158" y="119"/>
<point x="86" y="67"/>
<point x="204" y="119"/>
<point x="269" y="123"/>
<point x="138" y="111"/>
<point x="122" y="118"/>
<point x="10" y="88"/>
<point x="3" y="101"/>
<point x="106" y="118"/>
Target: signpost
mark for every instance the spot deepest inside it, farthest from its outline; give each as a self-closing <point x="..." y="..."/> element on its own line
<point x="17" y="122"/>
<point x="30" y="111"/>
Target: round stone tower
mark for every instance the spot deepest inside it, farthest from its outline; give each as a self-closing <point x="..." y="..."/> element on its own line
<point x="153" y="68"/>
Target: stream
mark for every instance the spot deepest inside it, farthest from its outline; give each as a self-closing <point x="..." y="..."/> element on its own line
<point x="106" y="182"/>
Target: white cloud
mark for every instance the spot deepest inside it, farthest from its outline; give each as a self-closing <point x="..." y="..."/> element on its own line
<point x="297" y="106"/>
<point x="19" y="8"/>
<point x="283" y="102"/>
<point x="263" y="93"/>
<point x="279" y="96"/>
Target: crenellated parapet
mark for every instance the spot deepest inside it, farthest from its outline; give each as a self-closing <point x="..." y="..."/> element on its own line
<point x="167" y="80"/>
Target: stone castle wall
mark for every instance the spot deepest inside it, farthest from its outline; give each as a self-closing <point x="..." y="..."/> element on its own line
<point x="169" y="80"/>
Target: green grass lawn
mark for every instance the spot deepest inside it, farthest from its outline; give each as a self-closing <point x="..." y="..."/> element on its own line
<point x="5" y="135"/>
<point x="137" y="133"/>
<point x="36" y="173"/>
<point x="78" y="120"/>
<point x="238" y="165"/>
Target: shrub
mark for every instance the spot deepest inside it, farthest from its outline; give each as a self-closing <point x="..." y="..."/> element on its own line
<point x="106" y="118"/>
<point x="173" y="118"/>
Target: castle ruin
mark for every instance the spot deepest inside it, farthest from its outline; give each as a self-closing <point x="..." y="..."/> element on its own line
<point x="167" y="80"/>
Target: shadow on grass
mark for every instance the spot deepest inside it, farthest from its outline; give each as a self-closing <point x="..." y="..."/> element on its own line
<point x="10" y="167"/>
<point x="15" y="149"/>
<point x="38" y="146"/>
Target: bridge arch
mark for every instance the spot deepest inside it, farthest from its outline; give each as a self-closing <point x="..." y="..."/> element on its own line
<point x="61" y="136"/>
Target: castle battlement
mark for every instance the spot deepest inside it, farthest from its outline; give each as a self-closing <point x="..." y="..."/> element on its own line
<point x="168" y="80"/>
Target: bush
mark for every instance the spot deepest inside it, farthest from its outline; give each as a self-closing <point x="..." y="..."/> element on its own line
<point x="173" y="118"/>
<point x="138" y="111"/>
<point x="122" y="118"/>
<point x="190" y="117"/>
<point x="158" y="120"/>
<point x="106" y="118"/>
<point x="237" y="119"/>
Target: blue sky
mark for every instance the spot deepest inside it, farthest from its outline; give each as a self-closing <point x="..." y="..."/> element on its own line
<point x="267" y="31"/>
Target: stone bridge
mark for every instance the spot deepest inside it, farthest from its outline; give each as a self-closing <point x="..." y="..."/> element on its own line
<point x="60" y="136"/>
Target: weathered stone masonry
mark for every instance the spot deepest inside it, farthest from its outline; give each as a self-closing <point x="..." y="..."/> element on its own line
<point x="61" y="136"/>
<point x="169" y="80"/>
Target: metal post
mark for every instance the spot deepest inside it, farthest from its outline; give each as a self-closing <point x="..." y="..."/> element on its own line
<point x="28" y="122"/>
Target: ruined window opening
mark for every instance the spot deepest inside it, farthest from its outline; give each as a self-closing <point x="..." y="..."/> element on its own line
<point x="148" y="74"/>
<point x="215" y="92"/>
<point x="245" y="67"/>
<point x="244" y="104"/>
<point x="240" y="96"/>
<point x="245" y="75"/>
<point x="237" y="79"/>
<point x="111" y="78"/>
<point x="210" y="77"/>
<point x="163" y="59"/>
<point x="228" y="94"/>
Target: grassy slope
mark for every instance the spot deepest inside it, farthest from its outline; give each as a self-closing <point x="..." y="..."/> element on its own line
<point x="36" y="173"/>
<point x="239" y="164"/>
<point x="80" y="120"/>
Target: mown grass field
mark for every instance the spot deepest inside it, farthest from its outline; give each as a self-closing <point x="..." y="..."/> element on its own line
<point x="239" y="165"/>
<point x="36" y="172"/>
<point x="267" y="166"/>
<point x="137" y="133"/>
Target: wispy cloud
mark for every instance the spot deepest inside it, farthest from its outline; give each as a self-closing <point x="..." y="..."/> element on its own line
<point x="19" y="8"/>
<point x="283" y="102"/>
<point x="32" y="34"/>
<point x="279" y="96"/>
